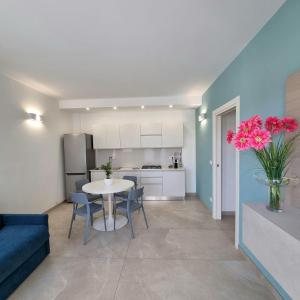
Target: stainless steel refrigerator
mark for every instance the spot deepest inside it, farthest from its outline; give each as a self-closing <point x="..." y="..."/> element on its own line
<point x="79" y="158"/>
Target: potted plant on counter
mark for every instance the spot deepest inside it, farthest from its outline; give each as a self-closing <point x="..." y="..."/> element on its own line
<point x="273" y="148"/>
<point x="107" y="168"/>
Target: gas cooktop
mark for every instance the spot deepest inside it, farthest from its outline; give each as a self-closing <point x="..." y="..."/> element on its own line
<point x="151" y="167"/>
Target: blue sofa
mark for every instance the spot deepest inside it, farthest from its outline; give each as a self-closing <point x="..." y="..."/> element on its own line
<point x="24" y="243"/>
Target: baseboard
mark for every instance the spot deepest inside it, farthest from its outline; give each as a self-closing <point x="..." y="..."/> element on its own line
<point x="191" y="195"/>
<point x="53" y="207"/>
<point x="228" y="213"/>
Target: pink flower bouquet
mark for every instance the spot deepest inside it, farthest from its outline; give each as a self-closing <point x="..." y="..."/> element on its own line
<point x="271" y="146"/>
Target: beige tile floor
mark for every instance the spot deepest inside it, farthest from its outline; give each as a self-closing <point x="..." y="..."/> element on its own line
<point x="183" y="255"/>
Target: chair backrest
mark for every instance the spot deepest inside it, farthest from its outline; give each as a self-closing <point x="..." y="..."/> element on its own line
<point x="79" y="198"/>
<point x="131" y="178"/>
<point x="80" y="183"/>
<point x="136" y="195"/>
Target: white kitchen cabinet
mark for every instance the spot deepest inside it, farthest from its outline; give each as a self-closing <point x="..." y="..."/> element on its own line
<point x="99" y="136"/>
<point x="130" y="135"/>
<point x="174" y="183"/>
<point x="113" y="136"/>
<point x="151" y="129"/>
<point x="106" y="136"/>
<point x="152" y="190"/>
<point x="172" y="135"/>
<point x="151" y="141"/>
<point x="152" y="181"/>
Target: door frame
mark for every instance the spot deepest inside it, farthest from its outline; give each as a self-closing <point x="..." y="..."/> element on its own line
<point x="216" y="161"/>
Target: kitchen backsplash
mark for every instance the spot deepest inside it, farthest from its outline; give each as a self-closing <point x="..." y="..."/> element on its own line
<point x="135" y="157"/>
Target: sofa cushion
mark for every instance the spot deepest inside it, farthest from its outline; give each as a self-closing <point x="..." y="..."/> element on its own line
<point x="17" y="244"/>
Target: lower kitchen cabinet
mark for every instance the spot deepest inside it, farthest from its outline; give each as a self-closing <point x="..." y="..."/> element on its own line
<point x="156" y="183"/>
<point x="174" y="183"/>
<point x="152" y="183"/>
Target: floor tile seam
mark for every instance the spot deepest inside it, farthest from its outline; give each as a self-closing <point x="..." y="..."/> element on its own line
<point x="184" y="259"/>
<point x="103" y="258"/>
<point x="146" y="258"/>
<point x="122" y="270"/>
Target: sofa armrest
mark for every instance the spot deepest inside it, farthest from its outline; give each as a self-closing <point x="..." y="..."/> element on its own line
<point x="25" y="219"/>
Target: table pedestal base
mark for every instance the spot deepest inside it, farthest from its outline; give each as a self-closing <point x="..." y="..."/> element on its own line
<point x="121" y="221"/>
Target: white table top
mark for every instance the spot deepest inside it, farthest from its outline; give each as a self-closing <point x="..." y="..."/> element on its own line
<point x="99" y="187"/>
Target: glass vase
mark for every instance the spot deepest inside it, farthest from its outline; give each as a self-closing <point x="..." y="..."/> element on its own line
<point x="276" y="191"/>
<point x="276" y="194"/>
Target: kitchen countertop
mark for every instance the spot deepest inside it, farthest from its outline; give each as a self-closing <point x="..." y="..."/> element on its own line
<point x="139" y="169"/>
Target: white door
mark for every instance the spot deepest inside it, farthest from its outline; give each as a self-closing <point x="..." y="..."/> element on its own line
<point x="229" y="174"/>
<point x="228" y="159"/>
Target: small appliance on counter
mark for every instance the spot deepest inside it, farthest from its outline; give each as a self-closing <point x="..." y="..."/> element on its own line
<point x="175" y="163"/>
<point x="176" y="159"/>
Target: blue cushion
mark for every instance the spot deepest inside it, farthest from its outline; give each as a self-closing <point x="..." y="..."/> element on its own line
<point x="17" y="244"/>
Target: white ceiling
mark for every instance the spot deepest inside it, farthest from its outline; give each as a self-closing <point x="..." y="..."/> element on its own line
<point x="125" y="48"/>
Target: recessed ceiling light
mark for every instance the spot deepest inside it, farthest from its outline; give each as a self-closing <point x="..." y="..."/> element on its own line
<point x="142" y="107"/>
<point x="171" y="106"/>
<point x="87" y="108"/>
<point x="115" y="108"/>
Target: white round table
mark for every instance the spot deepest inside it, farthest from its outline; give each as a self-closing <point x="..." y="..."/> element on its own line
<point x="100" y="188"/>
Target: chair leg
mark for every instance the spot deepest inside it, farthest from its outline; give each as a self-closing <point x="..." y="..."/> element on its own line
<point x="86" y="230"/>
<point x="145" y="216"/>
<point x="92" y="219"/>
<point x="130" y="224"/>
<point x="71" y="225"/>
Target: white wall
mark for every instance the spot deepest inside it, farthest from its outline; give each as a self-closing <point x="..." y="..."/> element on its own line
<point x="83" y="122"/>
<point x="31" y="166"/>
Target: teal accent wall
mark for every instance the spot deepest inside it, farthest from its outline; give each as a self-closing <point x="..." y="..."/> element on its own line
<point x="258" y="76"/>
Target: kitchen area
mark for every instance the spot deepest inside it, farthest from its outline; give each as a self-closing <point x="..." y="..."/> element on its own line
<point x="155" y="147"/>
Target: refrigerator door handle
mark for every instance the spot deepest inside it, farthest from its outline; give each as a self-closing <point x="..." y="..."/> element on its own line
<point x="75" y="173"/>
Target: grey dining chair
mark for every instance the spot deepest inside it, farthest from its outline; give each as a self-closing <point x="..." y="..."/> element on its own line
<point x="124" y="195"/>
<point x="84" y="208"/>
<point x="80" y="183"/>
<point x="133" y="202"/>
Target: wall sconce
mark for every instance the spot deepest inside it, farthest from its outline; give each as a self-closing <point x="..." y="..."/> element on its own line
<point x="202" y="117"/>
<point x="35" y="117"/>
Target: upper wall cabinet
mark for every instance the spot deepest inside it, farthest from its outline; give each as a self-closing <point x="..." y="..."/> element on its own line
<point x="151" y="141"/>
<point x="106" y="136"/>
<point x="172" y="135"/>
<point x="134" y="135"/>
<point x="130" y="135"/>
<point x="151" y="129"/>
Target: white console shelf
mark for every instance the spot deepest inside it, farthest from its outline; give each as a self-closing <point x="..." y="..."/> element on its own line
<point x="274" y="239"/>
